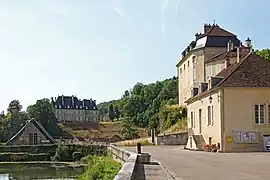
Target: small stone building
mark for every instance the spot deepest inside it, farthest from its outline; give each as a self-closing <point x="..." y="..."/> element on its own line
<point x="32" y="133"/>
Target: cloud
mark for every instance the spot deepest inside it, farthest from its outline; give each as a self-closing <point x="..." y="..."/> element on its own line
<point x="164" y="5"/>
<point x="120" y="12"/>
<point x="50" y="5"/>
<point x="177" y="7"/>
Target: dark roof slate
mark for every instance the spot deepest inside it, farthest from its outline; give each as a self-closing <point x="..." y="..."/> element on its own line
<point x="72" y="102"/>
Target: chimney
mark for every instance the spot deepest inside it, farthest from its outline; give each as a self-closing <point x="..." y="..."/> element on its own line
<point x="197" y="36"/>
<point x="206" y="27"/>
<point x="72" y="100"/>
<point x="248" y="42"/>
<point x="227" y="63"/>
<point x="237" y="55"/>
<point x="229" y="45"/>
<point x="63" y="100"/>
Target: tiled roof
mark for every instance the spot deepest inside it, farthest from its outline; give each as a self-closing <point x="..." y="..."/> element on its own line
<point x="72" y="102"/>
<point x="215" y="30"/>
<point x="229" y="54"/>
<point x="251" y="71"/>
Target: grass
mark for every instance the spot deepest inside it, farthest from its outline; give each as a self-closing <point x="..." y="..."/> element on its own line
<point x="105" y="130"/>
<point x="104" y="168"/>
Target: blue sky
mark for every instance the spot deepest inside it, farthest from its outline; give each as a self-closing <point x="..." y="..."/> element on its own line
<point x="99" y="48"/>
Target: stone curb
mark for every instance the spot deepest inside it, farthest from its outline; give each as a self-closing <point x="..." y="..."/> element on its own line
<point x="170" y="175"/>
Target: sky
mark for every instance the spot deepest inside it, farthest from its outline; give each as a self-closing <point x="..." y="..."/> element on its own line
<point x="100" y="48"/>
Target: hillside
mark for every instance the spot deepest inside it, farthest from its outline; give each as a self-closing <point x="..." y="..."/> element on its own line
<point x="103" y="130"/>
<point x="143" y="103"/>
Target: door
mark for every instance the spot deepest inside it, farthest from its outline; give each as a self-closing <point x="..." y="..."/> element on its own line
<point x="266" y="143"/>
<point x="200" y="121"/>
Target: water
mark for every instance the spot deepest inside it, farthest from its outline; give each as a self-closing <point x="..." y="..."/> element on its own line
<point x="38" y="171"/>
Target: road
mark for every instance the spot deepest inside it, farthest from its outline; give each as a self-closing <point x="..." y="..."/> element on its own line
<point x="194" y="165"/>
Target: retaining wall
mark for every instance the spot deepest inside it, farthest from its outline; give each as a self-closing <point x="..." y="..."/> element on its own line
<point x="173" y="139"/>
<point x="129" y="161"/>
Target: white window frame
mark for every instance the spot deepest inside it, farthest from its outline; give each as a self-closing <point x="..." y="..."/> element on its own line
<point x="259" y="107"/>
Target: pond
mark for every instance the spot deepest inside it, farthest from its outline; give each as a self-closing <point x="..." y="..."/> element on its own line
<point x="39" y="171"/>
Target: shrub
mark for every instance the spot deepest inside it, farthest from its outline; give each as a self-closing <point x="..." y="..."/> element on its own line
<point x="145" y="142"/>
<point x="15" y="157"/>
<point x="103" y="168"/>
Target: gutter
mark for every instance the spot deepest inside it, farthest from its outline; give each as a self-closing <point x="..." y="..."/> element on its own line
<point x="222" y="120"/>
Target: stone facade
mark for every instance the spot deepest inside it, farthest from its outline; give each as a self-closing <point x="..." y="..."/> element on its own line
<point x="31" y="134"/>
<point x="70" y="109"/>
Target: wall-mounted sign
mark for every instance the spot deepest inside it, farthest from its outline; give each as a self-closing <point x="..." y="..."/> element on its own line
<point x="229" y="139"/>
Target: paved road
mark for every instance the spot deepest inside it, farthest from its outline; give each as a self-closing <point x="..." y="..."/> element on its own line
<point x="192" y="165"/>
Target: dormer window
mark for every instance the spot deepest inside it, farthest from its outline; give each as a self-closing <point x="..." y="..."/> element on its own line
<point x="59" y="106"/>
<point x="194" y="59"/>
<point x="68" y="107"/>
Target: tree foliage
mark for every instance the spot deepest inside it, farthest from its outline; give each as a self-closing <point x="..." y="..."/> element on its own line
<point x="111" y="112"/>
<point x="142" y="104"/>
<point x="265" y="53"/>
<point x="43" y="112"/>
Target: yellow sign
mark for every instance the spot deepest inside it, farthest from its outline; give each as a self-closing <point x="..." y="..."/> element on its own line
<point x="229" y="139"/>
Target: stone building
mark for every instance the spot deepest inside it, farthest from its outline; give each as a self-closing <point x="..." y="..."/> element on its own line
<point x="32" y="133"/>
<point x="70" y="109"/>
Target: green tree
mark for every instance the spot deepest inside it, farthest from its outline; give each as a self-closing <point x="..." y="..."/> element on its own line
<point x="43" y="112"/>
<point x="14" y="104"/>
<point x="265" y="53"/>
<point x="116" y="112"/>
<point x="129" y="129"/>
<point x="111" y="112"/>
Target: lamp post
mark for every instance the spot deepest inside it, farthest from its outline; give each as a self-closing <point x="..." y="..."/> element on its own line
<point x="210" y="99"/>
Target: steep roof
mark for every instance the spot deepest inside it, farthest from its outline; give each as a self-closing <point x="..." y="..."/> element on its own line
<point x="215" y="30"/>
<point x="251" y="71"/>
<point x="38" y="126"/>
<point x="229" y="54"/>
<point x="72" y="102"/>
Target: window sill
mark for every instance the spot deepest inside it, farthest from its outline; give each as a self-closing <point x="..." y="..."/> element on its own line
<point x="261" y="124"/>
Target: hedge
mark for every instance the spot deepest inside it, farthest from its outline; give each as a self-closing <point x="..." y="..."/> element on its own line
<point x="15" y="157"/>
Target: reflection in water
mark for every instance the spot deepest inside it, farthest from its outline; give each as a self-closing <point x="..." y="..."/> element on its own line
<point x="38" y="171"/>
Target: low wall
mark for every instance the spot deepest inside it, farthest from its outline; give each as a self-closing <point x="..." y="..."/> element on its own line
<point x="173" y="139"/>
<point x="129" y="161"/>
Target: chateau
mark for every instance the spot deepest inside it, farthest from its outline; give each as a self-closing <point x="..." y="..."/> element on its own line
<point x="70" y="109"/>
<point x="226" y="89"/>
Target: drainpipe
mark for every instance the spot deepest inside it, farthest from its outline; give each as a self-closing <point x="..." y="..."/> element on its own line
<point x="223" y="140"/>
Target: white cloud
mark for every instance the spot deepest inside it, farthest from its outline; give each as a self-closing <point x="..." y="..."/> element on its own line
<point x="177" y="7"/>
<point x="50" y="5"/>
<point x="120" y="12"/>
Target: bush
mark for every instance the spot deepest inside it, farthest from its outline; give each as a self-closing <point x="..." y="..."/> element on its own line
<point x="145" y="142"/>
<point x="15" y="157"/>
<point x="61" y="154"/>
<point x="103" y="168"/>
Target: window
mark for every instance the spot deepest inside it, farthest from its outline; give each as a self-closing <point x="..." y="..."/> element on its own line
<point x="55" y="106"/>
<point x="209" y="115"/>
<point x="59" y="106"/>
<point x="212" y="115"/>
<point x="180" y="71"/>
<point x="268" y="114"/>
<point x="30" y="138"/>
<point x="259" y="114"/>
<point x="184" y="66"/>
<point x="194" y="59"/>
<point x="188" y="64"/>
<point x="35" y="138"/>
<point x="68" y="107"/>
<point x="192" y="119"/>
<point x="194" y="72"/>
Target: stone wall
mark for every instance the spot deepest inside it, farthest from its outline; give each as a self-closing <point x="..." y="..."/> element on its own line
<point x="173" y="139"/>
<point x="129" y="161"/>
